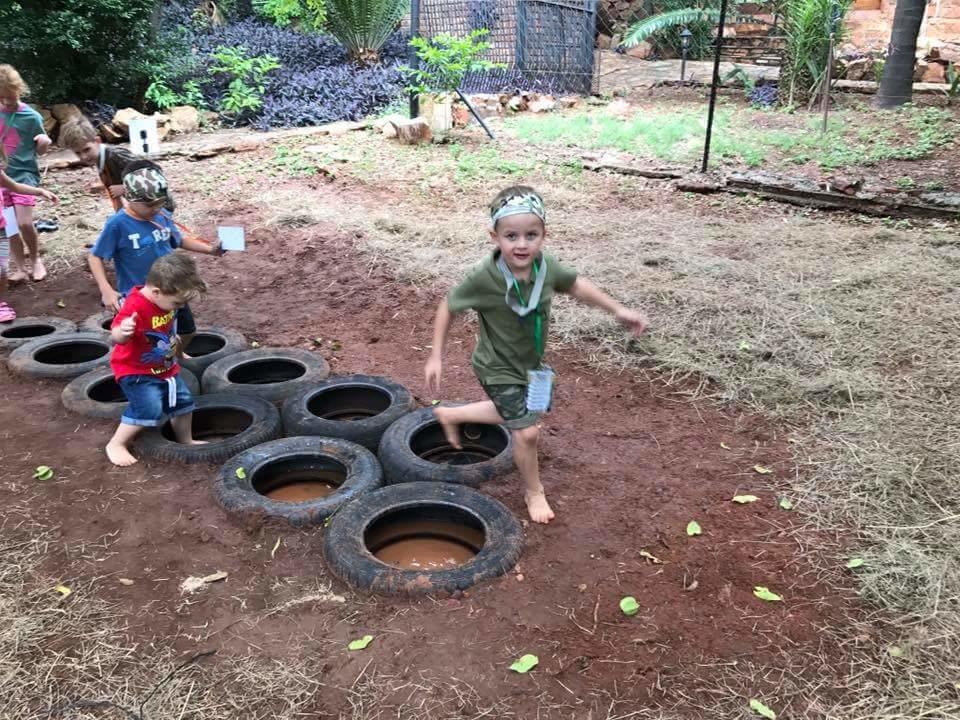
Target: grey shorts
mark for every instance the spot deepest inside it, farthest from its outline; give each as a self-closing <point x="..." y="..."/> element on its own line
<point x="511" y="403"/>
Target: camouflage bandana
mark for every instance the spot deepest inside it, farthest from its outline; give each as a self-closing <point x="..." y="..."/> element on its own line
<point x="530" y="203"/>
<point x="146" y="185"/>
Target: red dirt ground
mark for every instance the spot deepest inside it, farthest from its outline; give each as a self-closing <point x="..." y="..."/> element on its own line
<point x="626" y="464"/>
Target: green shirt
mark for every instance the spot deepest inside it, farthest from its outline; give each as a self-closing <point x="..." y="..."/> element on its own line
<point x="506" y="349"/>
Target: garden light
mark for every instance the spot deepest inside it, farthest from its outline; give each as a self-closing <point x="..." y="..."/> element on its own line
<point x="685" y="36"/>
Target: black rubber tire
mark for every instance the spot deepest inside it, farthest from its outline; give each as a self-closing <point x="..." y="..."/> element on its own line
<point x="401" y="463"/>
<point x="264" y="425"/>
<point x="14" y="334"/>
<point x="348" y="557"/>
<point x="218" y="377"/>
<point x="76" y="396"/>
<point x="233" y="342"/>
<point x="23" y="360"/>
<point x="239" y="496"/>
<point x="299" y="418"/>
<point x="94" y="323"/>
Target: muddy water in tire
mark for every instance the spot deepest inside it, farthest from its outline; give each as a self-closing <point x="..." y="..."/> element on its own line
<point x="478" y="443"/>
<point x="299" y="485"/>
<point x="428" y="545"/>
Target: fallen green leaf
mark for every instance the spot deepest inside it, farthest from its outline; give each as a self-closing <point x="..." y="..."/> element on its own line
<point x="241" y="473"/>
<point x="724" y="446"/>
<point x="760" y="709"/>
<point x="895" y="651"/>
<point x="525" y="664"/>
<point x="254" y="344"/>
<point x="63" y="590"/>
<point x="652" y="558"/>
<point x="61" y="304"/>
<point x="854" y="563"/>
<point x="336" y="345"/>
<point x="744" y="499"/>
<point x="693" y="528"/>
<point x="629" y="605"/>
<point x="765" y="594"/>
<point x="43" y="472"/>
<point x="762" y="470"/>
<point x="785" y="504"/>
<point x="434" y="402"/>
<point x="744" y="346"/>
<point x="360" y="643"/>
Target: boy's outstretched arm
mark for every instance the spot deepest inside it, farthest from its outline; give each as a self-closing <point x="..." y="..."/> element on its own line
<point x="434" y="366"/>
<point x="13" y="186"/>
<point x="108" y="296"/>
<point x="586" y="292"/>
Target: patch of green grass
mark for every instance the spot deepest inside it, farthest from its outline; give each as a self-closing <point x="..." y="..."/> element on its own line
<point x="484" y="163"/>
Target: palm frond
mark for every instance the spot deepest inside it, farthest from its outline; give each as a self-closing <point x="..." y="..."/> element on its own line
<point x="656" y="23"/>
<point x="363" y="26"/>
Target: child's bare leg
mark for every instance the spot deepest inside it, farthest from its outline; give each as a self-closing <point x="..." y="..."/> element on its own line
<point x="451" y="418"/>
<point x="28" y="233"/>
<point x="525" y="456"/>
<point x="17" y="261"/>
<point x="184" y="342"/>
<point x="183" y="429"/>
<point x="118" y="449"/>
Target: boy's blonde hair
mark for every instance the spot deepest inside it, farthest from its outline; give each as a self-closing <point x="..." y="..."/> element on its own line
<point x="10" y="80"/>
<point x="77" y="133"/>
<point x="176" y="274"/>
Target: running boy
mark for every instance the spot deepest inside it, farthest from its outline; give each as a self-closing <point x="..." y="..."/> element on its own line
<point x="110" y="160"/>
<point x="136" y="236"/>
<point x="511" y="292"/>
<point x="144" y="360"/>
<point x="23" y="139"/>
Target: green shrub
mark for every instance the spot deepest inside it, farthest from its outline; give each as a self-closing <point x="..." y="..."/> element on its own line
<point x="163" y="98"/>
<point x="307" y="14"/>
<point x="70" y="50"/>
<point x="445" y="60"/>
<point x="363" y="26"/>
<point x="248" y="77"/>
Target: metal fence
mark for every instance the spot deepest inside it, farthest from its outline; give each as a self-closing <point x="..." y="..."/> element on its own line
<point x="545" y="45"/>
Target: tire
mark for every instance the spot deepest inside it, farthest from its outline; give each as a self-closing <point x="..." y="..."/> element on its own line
<point x="211" y="344"/>
<point x="301" y="458"/>
<point x="273" y="374"/>
<point x="248" y="421"/>
<point x="65" y="355"/>
<point x="418" y="433"/>
<point x="100" y="322"/>
<point x="26" y="329"/>
<point x="350" y="559"/>
<point x="358" y="408"/>
<point x="96" y="393"/>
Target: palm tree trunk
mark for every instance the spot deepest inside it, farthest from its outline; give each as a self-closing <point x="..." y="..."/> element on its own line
<point x="896" y="85"/>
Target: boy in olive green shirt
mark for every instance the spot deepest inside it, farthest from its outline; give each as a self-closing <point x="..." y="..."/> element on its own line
<point x="511" y="291"/>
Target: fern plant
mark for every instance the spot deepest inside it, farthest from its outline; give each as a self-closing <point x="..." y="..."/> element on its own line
<point x="363" y="26"/>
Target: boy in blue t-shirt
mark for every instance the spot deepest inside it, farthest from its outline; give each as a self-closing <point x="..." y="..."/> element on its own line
<point x="136" y="236"/>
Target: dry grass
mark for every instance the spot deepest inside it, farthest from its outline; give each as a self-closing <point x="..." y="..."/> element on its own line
<point x="844" y="328"/>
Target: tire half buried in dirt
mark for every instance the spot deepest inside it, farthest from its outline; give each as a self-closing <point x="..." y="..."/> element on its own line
<point x="414" y="448"/>
<point x="358" y="408"/>
<point x="65" y="355"/>
<point x="419" y="538"/>
<point x="97" y="394"/>
<point x="26" y="329"/>
<point x="210" y="344"/>
<point x="99" y="322"/>
<point x="300" y="480"/>
<point x="270" y="373"/>
<point x="229" y="423"/>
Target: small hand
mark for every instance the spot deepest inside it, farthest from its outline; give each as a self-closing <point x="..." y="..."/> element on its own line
<point x="127" y="326"/>
<point x="116" y="191"/>
<point x="432" y="372"/>
<point x="216" y="248"/>
<point x="47" y="195"/>
<point x="43" y="142"/>
<point x="111" y="300"/>
<point x="634" y="321"/>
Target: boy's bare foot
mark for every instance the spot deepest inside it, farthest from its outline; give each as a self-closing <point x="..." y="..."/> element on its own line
<point x="538" y="507"/>
<point x="119" y="455"/>
<point x="451" y="431"/>
<point x="39" y="271"/>
<point x="16" y="276"/>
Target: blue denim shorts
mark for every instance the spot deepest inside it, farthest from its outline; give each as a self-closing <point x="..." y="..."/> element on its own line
<point x="149" y="399"/>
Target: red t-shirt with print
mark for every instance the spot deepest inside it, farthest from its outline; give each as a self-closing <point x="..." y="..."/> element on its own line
<point x="150" y="351"/>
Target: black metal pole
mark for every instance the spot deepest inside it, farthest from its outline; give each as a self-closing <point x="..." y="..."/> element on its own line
<point x="414" y="60"/>
<point x="715" y="85"/>
<point x="473" y="110"/>
<point x="683" y="63"/>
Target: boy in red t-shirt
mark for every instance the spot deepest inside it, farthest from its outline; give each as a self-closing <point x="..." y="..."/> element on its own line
<point x="144" y="360"/>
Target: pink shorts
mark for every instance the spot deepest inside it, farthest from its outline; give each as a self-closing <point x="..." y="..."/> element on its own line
<point x="11" y="198"/>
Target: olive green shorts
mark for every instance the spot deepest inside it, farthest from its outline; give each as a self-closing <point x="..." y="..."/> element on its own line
<point x="511" y="403"/>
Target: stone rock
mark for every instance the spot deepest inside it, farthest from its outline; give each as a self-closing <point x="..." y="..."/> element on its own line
<point x="185" y="119"/>
<point x="386" y="125"/>
<point x="49" y="121"/>
<point x="121" y="120"/>
<point x="641" y="50"/>
<point x="411" y="132"/>
<point x="570" y="101"/>
<point x="164" y="126"/>
<point x="604" y="41"/>
<point x="461" y="115"/>
<point x="619" y="107"/>
<point x="859" y="69"/>
<point x="109" y="134"/>
<point x="950" y="52"/>
<point x="65" y="112"/>
<point x="546" y="103"/>
<point x="517" y="103"/>
<point x="919" y="70"/>
<point x="936" y="72"/>
<point x="208" y="118"/>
